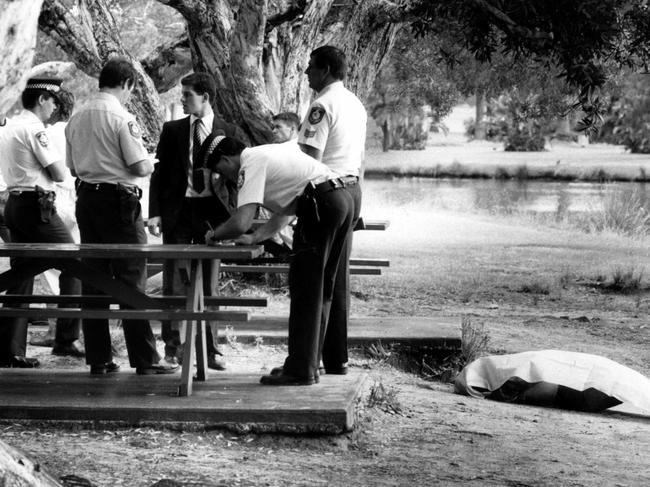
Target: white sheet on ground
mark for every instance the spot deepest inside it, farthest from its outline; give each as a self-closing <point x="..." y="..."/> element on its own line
<point x="579" y="371"/>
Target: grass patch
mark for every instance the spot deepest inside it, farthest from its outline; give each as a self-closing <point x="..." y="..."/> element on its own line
<point x="624" y="213"/>
<point x="535" y="287"/>
<point x="384" y="398"/>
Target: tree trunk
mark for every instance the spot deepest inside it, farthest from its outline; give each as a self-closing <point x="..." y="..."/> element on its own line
<point x="256" y="51"/>
<point x="386" y="136"/>
<point x="18" y="27"/>
<point x="258" y="54"/>
<point x="480" y="132"/>
<point x="90" y="38"/>
<point x="16" y="470"/>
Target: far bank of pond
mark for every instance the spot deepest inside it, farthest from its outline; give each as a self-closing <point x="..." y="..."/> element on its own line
<point x="495" y="196"/>
<point x="484" y="160"/>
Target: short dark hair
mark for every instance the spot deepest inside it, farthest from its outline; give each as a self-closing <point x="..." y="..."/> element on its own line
<point x="290" y="118"/>
<point x="117" y="71"/>
<point x="229" y="146"/>
<point x="64" y="106"/>
<point x="29" y="97"/>
<point x="333" y="58"/>
<point x="201" y="83"/>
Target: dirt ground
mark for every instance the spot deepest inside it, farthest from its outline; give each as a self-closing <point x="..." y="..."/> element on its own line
<point x="413" y="432"/>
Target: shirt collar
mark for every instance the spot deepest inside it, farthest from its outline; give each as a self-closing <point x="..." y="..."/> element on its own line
<point x="208" y="120"/>
<point x="30" y="117"/>
<point x="331" y="86"/>
<point x="109" y="97"/>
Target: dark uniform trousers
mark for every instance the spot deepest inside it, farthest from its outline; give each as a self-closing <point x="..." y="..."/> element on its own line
<point x="190" y="228"/>
<point x="335" y="344"/>
<point x="320" y="238"/>
<point x="28" y="222"/>
<point x="108" y="213"/>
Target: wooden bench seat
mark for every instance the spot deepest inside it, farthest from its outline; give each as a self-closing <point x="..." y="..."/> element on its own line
<point x="284" y="268"/>
<point x="122" y="314"/>
<point x="164" y="301"/>
<point x="368" y="267"/>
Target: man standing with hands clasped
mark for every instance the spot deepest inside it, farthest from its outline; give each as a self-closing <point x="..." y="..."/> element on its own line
<point x="182" y="203"/>
<point x="106" y="154"/>
<point x="334" y="132"/>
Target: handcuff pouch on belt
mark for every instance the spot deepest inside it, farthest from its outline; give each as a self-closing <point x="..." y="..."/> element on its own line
<point x="307" y="203"/>
<point x="46" y="203"/>
<point x="129" y="197"/>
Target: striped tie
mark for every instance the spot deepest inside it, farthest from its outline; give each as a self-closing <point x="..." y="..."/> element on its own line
<point x="198" y="183"/>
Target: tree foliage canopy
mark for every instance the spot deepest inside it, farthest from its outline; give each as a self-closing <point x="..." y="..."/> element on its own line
<point x="258" y="50"/>
<point x="584" y="39"/>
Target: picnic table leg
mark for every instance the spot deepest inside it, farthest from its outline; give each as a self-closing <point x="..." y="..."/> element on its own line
<point x="198" y="305"/>
<point x="194" y="302"/>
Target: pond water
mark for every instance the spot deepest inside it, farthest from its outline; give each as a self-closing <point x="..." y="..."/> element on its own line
<point x="494" y="196"/>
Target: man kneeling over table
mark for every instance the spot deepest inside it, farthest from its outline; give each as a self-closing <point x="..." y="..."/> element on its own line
<point x="283" y="179"/>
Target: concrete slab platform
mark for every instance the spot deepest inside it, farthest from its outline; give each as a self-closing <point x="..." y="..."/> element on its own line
<point x="435" y="332"/>
<point x="229" y="400"/>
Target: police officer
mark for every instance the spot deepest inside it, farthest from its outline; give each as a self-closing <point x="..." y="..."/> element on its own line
<point x="105" y="152"/>
<point x="31" y="166"/>
<point x="283" y="179"/>
<point x="334" y="132"/>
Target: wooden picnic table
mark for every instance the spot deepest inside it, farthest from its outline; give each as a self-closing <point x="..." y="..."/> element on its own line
<point x="43" y="256"/>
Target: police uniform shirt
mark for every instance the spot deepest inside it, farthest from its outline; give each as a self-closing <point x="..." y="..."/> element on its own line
<point x="274" y="175"/>
<point x="206" y="128"/>
<point x="102" y="140"/>
<point x="336" y="125"/>
<point x="26" y="153"/>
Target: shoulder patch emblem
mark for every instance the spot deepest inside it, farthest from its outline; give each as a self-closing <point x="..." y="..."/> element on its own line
<point x="316" y="115"/>
<point x="240" y="179"/>
<point x="309" y="133"/>
<point x="134" y="129"/>
<point x="42" y="139"/>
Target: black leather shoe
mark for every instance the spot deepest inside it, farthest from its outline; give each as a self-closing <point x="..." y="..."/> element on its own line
<point x="286" y="380"/>
<point x="102" y="369"/>
<point x="341" y="370"/>
<point x="70" y="349"/>
<point x="216" y="362"/>
<point x="280" y="370"/>
<point x="159" y="368"/>
<point x="22" y="362"/>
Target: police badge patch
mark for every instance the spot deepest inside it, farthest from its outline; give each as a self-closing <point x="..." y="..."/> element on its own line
<point x="42" y="139"/>
<point x="316" y="115"/>
<point x="134" y="129"/>
<point x="240" y="179"/>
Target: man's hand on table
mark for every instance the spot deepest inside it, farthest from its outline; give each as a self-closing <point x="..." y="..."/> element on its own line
<point x="153" y="224"/>
<point x="246" y="239"/>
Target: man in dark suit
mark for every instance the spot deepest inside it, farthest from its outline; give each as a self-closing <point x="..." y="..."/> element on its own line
<point x="182" y="203"/>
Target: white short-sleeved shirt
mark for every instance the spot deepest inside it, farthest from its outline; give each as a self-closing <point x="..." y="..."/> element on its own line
<point x="274" y="175"/>
<point x="336" y="125"/>
<point x="27" y="151"/>
<point x="102" y="141"/>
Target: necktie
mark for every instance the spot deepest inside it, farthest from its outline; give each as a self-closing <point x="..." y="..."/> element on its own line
<point x="198" y="183"/>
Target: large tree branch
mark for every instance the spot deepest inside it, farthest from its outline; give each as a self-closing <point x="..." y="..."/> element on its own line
<point x="90" y="38"/>
<point x="168" y="63"/>
<point x="508" y="25"/>
<point x="74" y="37"/>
